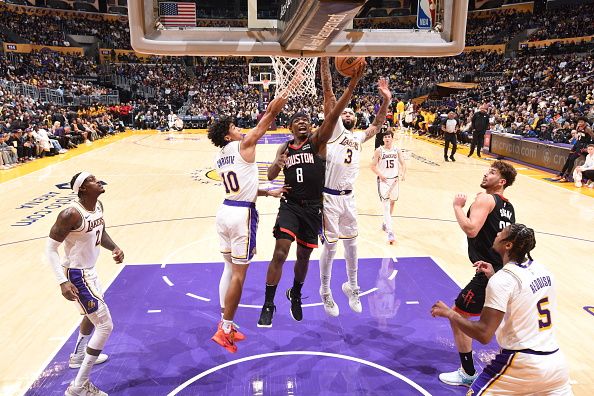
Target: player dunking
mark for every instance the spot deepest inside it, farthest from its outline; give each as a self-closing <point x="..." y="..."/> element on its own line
<point x="489" y="213"/>
<point x="390" y="168"/>
<point x="82" y="229"/>
<point x="340" y="212"/>
<point x="520" y="308"/>
<point x="300" y="214"/>
<point x="237" y="218"/>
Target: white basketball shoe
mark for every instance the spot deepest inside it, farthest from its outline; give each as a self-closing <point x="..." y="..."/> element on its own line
<point x="86" y="389"/>
<point x="353" y="296"/>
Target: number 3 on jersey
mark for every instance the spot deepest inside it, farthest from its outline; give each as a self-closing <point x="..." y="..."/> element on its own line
<point x="230" y="182"/>
<point x="349" y="156"/>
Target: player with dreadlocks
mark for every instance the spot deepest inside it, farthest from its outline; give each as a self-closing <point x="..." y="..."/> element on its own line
<point x="520" y="309"/>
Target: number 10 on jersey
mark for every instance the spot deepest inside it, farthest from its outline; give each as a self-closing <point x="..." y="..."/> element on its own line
<point x="230" y="182"/>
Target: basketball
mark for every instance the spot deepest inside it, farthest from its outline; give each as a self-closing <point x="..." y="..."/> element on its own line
<point x="347" y="66"/>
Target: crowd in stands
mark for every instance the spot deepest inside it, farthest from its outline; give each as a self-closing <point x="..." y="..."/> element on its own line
<point x="44" y="27"/>
<point x="536" y="96"/>
<point x="539" y="93"/>
<point x="30" y="129"/>
<point x="574" y="22"/>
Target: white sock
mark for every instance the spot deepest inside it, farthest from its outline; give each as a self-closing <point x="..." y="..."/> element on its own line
<point x="387" y="215"/>
<point x="225" y="279"/>
<point x="81" y="343"/>
<point x="85" y="369"/>
<point x="352" y="262"/>
<point x="326" y="259"/>
<point x="226" y="326"/>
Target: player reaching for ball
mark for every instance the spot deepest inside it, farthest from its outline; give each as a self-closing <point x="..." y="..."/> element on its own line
<point x="340" y="213"/>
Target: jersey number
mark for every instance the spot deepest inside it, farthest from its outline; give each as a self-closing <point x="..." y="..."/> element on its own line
<point x="98" y="232"/>
<point x="299" y="173"/>
<point x="503" y="224"/>
<point x="349" y="157"/>
<point x="389" y="163"/>
<point x="544" y="323"/>
<point x="230" y="182"/>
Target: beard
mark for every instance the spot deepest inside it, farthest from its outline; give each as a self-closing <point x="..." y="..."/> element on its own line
<point x="348" y="124"/>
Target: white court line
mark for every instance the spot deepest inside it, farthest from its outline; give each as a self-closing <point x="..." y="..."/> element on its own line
<point x="393" y="275"/>
<point x="197" y="297"/>
<point x="166" y="280"/>
<point x="290" y="353"/>
<point x="412" y="302"/>
<point x="153" y="311"/>
<point x="368" y="292"/>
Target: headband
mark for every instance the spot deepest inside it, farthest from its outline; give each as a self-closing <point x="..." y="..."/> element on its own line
<point x="79" y="181"/>
<point x="349" y="110"/>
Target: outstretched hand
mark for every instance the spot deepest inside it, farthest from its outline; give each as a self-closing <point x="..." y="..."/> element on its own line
<point x="384" y="90"/>
<point x="359" y="72"/>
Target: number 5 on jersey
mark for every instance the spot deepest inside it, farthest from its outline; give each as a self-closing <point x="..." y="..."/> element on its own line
<point x="544" y="323"/>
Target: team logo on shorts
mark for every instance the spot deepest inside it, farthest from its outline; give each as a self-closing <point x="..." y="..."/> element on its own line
<point x="470" y="392"/>
<point x="90" y="305"/>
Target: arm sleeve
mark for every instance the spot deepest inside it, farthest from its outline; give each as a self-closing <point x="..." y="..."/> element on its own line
<point x="500" y="290"/>
<point x="51" y="252"/>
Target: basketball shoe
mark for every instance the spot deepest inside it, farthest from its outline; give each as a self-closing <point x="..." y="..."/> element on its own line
<point x="391" y="238"/>
<point x="86" y="389"/>
<point x="266" y="315"/>
<point x="225" y="340"/>
<point x="237" y="335"/>
<point x="76" y="359"/>
<point x="353" y="296"/>
<point x="296" y="311"/>
<point x="329" y="305"/>
<point x="458" y="377"/>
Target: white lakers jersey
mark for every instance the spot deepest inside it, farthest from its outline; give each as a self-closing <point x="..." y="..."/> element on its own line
<point x="388" y="163"/>
<point x="240" y="178"/>
<point x="343" y="155"/>
<point x="83" y="244"/>
<point x="527" y="296"/>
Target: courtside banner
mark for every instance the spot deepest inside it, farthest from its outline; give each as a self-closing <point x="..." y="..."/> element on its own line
<point x="426" y="14"/>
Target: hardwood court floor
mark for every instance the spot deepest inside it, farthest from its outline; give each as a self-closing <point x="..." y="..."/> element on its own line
<point x="160" y="203"/>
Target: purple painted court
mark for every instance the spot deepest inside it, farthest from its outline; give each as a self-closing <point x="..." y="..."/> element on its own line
<point x="165" y="315"/>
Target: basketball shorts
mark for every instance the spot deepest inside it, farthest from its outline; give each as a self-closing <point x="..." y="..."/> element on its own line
<point x="90" y="292"/>
<point x="388" y="190"/>
<point x="340" y="217"/>
<point x="524" y="373"/>
<point x="237" y="226"/>
<point x="299" y="222"/>
<point x="471" y="299"/>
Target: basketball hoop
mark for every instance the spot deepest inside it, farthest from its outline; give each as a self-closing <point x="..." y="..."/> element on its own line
<point x="295" y="77"/>
<point x="266" y="85"/>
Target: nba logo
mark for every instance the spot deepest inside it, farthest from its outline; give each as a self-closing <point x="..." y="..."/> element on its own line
<point x="426" y="14"/>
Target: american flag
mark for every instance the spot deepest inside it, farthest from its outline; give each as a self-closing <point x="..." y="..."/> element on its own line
<point x="174" y="14"/>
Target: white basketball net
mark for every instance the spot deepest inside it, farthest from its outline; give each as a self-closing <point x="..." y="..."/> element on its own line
<point x="295" y="77"/>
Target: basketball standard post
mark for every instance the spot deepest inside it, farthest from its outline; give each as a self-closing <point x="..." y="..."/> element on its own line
<point x="445" y="38"/>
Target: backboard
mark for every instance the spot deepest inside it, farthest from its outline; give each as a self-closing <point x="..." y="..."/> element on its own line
<point x="438" y="30"/>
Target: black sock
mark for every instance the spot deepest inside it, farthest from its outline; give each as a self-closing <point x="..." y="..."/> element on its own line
<point x="270" y="291"/>
<point x="296" y="291"/>
<point x="467" y="363"/>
